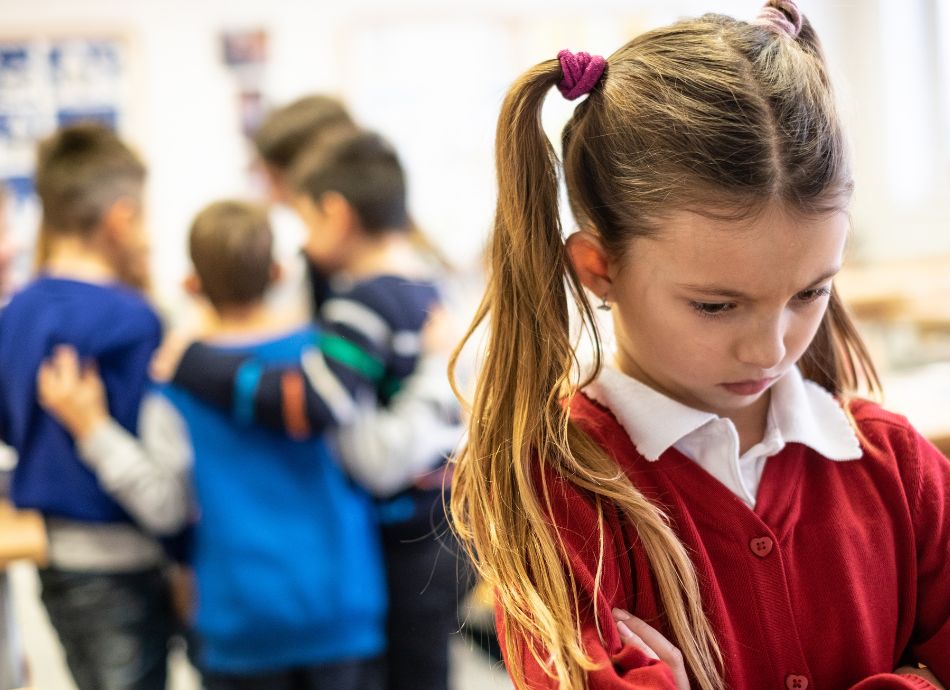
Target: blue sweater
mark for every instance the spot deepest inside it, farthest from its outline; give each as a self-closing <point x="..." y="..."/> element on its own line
<point x="370" y="340"/>
<point x="286" y="551"/>
<point x="108" y="323"/>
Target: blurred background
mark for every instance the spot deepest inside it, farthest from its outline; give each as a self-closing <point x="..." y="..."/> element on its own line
<point x="186" y="81"/>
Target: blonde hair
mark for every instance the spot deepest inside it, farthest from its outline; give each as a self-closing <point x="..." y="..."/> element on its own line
<point x="715" y="115"/>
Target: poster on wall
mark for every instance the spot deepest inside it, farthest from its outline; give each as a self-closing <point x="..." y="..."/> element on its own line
<point x="49" y="82"/>
<point x="46" y="82"/>
<point x="244" y="52"/>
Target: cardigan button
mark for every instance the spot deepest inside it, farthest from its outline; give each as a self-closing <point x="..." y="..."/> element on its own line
<point x="761" y="547"/>
<point x="793" y="682"/>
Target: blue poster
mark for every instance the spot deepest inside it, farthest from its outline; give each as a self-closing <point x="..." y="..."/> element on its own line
<point x="49" y="82"/>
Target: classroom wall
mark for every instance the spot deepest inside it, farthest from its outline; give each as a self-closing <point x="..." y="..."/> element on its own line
<point x="431" y="76"/>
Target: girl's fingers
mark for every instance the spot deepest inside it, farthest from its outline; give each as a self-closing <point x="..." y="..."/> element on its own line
<point x="662" y="646"/>
<point x="631" y="638"/>
<point x="635" y="631"/>
<point x="621" y="615"/>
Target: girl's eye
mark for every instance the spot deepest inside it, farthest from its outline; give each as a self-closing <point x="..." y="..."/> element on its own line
<point x="813" y="294"/>
<point x="712" y="309"/>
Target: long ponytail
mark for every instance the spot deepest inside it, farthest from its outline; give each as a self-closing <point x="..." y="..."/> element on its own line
<point x="521" y="434"/>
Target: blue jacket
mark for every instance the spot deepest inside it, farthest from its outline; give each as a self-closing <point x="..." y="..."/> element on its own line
<point x="108" y="323"/>
<point x="286" y="549"/>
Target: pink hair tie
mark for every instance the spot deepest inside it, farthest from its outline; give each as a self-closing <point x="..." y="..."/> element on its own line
<point x="580" y="73"/>
<point x="781" y="16"/>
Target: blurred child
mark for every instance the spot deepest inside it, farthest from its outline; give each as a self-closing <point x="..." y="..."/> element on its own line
<point x="391" y="446"/>
<point x="6" y="246"/>
<point x="290" y="586"/>
<point x="104" y="589"/>
<point x="283" y="135"/>
<point x="713" y="507"/>
<point x="11" y="659"/>
<point x="351" y="194"/>
<point x="290" y="130"/>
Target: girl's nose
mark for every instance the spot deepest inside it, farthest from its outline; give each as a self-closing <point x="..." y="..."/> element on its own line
<point x="763" y="347"/>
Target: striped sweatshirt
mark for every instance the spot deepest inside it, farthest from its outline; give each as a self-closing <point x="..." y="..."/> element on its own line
<point x="368" y="344"/>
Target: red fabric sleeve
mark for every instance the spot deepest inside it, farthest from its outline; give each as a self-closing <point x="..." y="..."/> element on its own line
<point x="893" y="681"/>
<point x="930" y="505"/>
<point x="622" y="668"/>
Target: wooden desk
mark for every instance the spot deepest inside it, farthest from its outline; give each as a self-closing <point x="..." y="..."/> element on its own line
<point x="915" y="291"/>
<point x="923" y="396"/>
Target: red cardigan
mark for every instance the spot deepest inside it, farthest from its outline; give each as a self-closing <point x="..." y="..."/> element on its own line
<point x="838" y="576"/>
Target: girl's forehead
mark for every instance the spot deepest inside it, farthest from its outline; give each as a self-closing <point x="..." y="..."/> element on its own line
<point x="771" y="246"/>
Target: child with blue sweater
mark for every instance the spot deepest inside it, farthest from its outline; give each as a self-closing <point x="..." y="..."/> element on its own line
<point x="104" y="588"/>
<point x="286" y="554"/>
<point x="370" y="381"/>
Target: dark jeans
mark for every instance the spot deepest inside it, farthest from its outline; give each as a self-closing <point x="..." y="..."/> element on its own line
<point x="114" y="627"/>
<point x="12" y="664"/>
<point x="428" y="576"/>
<point x="356" y="674"/>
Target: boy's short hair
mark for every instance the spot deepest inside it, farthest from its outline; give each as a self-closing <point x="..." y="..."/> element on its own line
<point x="81" y="171"/>
<point x="287" y="131"/>
<point x="362" y="167"/>
<point x="231" y="247"/>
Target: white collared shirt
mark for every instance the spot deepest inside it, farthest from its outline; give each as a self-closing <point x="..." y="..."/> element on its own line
<point x="800" y="411"/>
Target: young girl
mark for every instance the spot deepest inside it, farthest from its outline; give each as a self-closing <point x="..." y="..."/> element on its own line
<point x="718" y="479"/>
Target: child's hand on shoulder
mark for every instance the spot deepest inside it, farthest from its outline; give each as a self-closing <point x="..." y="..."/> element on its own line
<point x="167" y="357"/>
<point x="440" y="334"/>
<point x="636" y="632"/>
<point x="197" y="324"/>
<point x="73" y="394"/>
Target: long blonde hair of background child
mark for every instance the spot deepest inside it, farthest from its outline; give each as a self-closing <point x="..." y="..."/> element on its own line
<point x="712" y="114"/>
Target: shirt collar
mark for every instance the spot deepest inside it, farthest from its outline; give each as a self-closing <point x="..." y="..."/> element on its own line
<point x="801" y="410"/>
<point x="808" y="414"/>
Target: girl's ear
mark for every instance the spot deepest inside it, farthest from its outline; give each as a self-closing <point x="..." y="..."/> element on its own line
<point x="587" y="255"/>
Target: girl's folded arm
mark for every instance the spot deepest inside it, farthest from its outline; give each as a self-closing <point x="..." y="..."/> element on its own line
<point x="619" y="666"/>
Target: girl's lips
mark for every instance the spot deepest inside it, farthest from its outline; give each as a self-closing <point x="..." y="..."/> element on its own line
<point x="748" y="387"/>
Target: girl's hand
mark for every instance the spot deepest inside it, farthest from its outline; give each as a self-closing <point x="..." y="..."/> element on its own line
<point x="74" y="395"/>
<point x="636" y="632"/>
<point x="923" y="673"/>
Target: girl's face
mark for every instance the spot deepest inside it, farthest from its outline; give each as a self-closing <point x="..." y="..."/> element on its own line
<point x="712" y="312"/>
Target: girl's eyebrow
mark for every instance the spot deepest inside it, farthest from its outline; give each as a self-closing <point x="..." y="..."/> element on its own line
<point x="729" y="293"/>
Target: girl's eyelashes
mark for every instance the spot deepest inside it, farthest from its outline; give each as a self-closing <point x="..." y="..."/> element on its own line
<point x="712" y="310"/>
<point x="807" y="296"/>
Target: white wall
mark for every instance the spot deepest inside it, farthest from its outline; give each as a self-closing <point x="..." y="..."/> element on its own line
<point x="432" y="77"/>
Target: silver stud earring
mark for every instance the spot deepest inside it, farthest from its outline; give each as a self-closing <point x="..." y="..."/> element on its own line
<point x="604" y="304"/>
